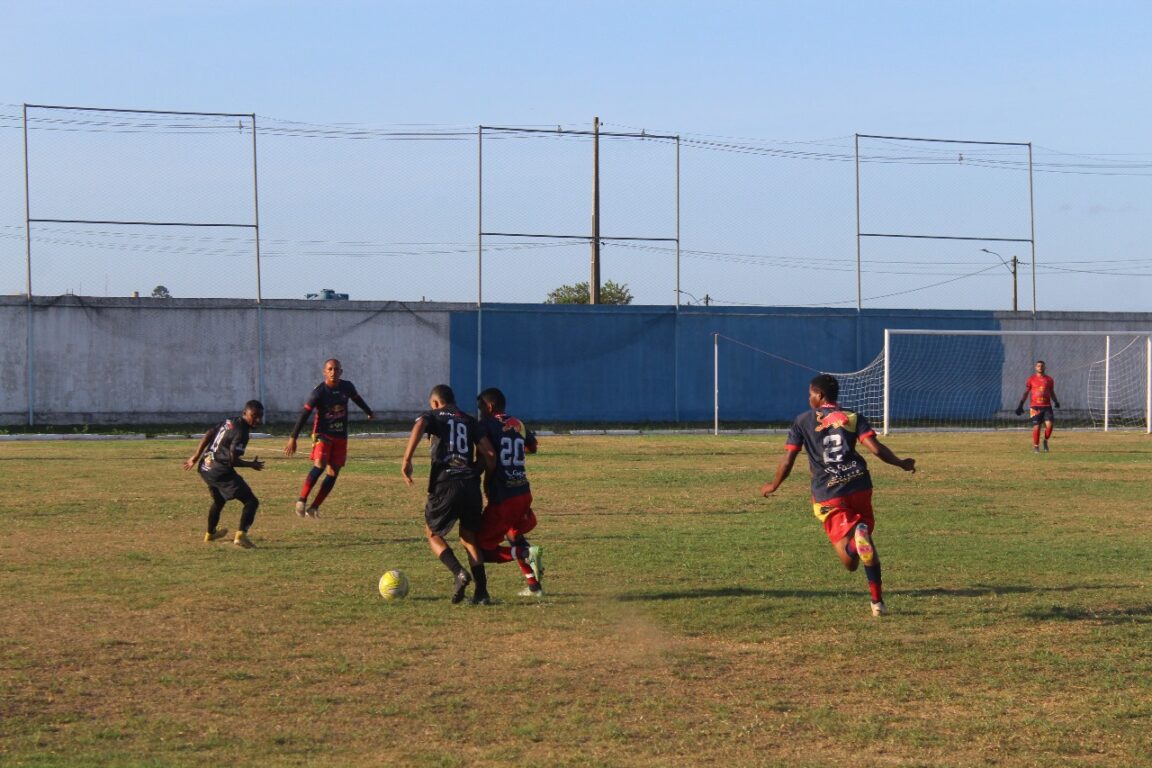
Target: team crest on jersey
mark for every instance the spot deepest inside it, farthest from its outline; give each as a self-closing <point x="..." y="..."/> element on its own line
<point x="834" y="419"/>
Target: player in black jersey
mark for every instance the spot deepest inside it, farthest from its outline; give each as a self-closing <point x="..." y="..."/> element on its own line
<point x="327" y="404"/>
<point x="218" y="456"/>
<point x="453" y="486"/>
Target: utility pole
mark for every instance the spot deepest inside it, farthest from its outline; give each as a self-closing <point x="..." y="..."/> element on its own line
<point x="594" y="280"/>
<point x="1015" y="261"/>
<point x="1011" y="268"/>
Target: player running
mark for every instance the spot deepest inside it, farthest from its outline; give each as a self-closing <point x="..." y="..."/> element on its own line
<point x="453" y="486"/>
<point x="328" y="406"/>
<point x="508" y="514"/>
<point x="1042" y="389"/>
<point x="225" y="444"/>
<point x="841" y="483"/>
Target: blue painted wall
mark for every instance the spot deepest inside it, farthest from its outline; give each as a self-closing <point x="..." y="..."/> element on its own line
<point x="639" y="364"/>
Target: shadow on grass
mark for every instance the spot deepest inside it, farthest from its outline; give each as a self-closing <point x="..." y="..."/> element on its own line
<point x="1139" y="615"/>
<point x="989" y="590"/>
<point x="976" y="590"/>
<point x="695" y="594"/>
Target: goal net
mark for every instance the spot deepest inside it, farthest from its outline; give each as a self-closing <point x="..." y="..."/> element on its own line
<point x="925" y="379"/>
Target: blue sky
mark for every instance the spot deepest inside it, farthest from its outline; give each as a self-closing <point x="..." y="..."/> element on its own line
<point x="1071" y="78"/>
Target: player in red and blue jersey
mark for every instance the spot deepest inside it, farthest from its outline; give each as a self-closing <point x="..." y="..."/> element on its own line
<point x="508" y="514"/>
<point x="217" y="456"/>
<point x="453" y="486"/>
<point x="327" y="404"/>
<point x="1040" y="391"/>
<point x="841" y="483"/>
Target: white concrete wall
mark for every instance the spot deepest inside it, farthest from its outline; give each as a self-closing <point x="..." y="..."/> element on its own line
<point x="179" y="361"/>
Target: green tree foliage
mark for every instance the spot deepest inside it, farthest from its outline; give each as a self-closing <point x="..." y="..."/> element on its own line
<point x="160" y="292"/>
<point x="577" y="293"/>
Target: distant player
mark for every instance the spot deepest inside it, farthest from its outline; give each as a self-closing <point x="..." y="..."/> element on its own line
<point x="508" y="514"/>
<point x="1041" y="388"/>
<point x="453" y="487"/>
<point x="841" y="483"/>
<point x="327" y="404"/>
<point x="225" y="444"/>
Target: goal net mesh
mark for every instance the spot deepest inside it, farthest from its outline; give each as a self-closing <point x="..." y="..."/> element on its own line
<point x="974" y="380"/>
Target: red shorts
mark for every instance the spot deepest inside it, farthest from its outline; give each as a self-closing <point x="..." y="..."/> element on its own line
<point x="332" y="450"/>
<point x="507" y="518"/>
<point x="841" y="515"/>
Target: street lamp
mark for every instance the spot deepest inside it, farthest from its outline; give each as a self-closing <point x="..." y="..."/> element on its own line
<point x="1011" y="268"/>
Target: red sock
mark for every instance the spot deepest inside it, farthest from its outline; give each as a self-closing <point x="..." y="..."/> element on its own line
<point x="1036" y="435"/>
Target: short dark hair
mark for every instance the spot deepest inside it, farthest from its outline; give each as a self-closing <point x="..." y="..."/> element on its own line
<point x="494" y="397"/>
<point x="827" y="386"/>
<point x="254" y="405"/>
<point x="444" y="394"/>
<point x="1042" y="363"/>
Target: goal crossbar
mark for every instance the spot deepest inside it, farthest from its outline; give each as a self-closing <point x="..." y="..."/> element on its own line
<point x="1102" y="368"/>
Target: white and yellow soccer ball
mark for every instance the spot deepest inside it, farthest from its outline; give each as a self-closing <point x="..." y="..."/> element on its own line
<point x="393" y="585"/>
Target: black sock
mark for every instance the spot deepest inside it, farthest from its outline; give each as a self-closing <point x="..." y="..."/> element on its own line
<point x="448" y="557"/>
<point x="481" y="579"/>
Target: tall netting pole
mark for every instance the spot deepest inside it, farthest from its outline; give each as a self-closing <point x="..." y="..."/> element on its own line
<point x="29" y="374"/>
<point x="716" y="383"/>
<point x="259" y="289"/>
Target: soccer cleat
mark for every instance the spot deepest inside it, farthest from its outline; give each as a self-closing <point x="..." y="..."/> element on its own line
<point x="216" y="535"/>
<point x="463" y="579"/>
<point x="529" y="592"/>
<point x="879" y="609"/>
<point x="1035" y="449"/>
<point x="300" y="509"/>
<point x="243" y="541"/>
<point x="481" y="598"/>
<point x="864" y="546"/>
<point x="313" y="512"/>
<point x="536" y="562"/>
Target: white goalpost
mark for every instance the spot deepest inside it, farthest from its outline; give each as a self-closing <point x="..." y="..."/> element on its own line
<point x="941" y="379"/>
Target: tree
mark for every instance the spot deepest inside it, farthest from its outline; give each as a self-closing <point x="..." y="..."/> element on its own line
<point x="160" y="292"/>
<point x="610" y="293"/>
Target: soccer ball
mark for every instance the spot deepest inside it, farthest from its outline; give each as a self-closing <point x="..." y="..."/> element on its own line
<point x="393" y="585"/>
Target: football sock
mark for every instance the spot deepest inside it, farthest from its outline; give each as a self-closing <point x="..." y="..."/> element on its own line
<point x="873" y="574"/>
<point x="851" y="548"/>
<point x="527" y="571"/>
<point x="325" y="489"/>
<point x="448" y="557"/>
<point x="1047" y="432"/>
<point x="248" y="516"/>
<point x="1036" y="435"/>
<point x="309" y="481"/>
<point x="481" y="579"/>
<point x="214" y="516"/>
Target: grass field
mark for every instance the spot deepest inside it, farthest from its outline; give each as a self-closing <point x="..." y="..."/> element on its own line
<point x="688" y="622"/>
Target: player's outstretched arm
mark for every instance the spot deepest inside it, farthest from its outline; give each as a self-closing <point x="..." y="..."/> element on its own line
<point x="783" y="469"/>
<point x="885" y="454"/>
<point x="364" y="407"/>
<point x="413" y="441"/>
<point x="195" y="458"/>
<point x="290" y="446"/>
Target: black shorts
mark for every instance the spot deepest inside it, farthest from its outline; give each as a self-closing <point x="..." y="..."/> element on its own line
<point x="229" y="485"/>
<point x="451" y="500"/>
<point x="1041" y="415"/>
